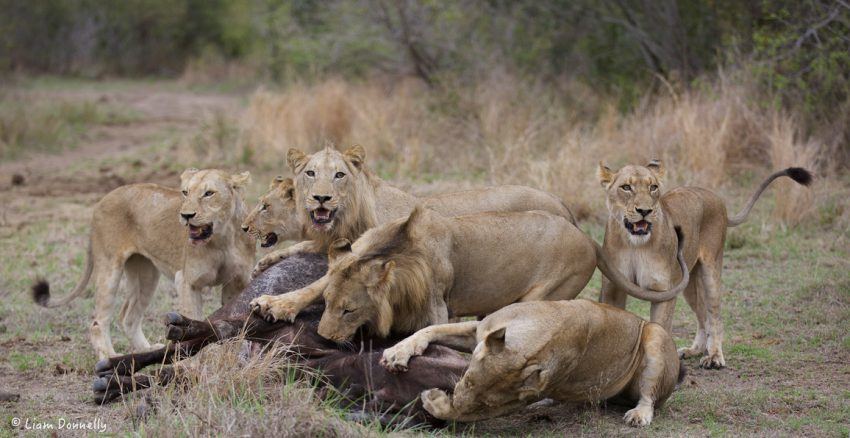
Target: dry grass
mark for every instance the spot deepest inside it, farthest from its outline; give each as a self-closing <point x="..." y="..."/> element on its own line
<point x="222" y="393"/>
<point x="507" y="131"/>
<point x="787" y="312"/>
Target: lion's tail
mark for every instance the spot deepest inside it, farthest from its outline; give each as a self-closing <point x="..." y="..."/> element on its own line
<point x="798" y="174"/>
<point x="636" y="291"/>
<point x="683" y="372"/>
<point x="41" y="288"/>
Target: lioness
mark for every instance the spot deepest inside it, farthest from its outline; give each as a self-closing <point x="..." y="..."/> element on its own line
<point x="570" y="351"/>
<point x="140" y="231"/>
<point x="640" y="242"/>
<point x="337" y="196"/>
<point x="418" y="271"/>
<point x="275" y="217"/>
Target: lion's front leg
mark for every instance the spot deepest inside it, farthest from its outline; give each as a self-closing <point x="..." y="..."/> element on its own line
<point x="460" y="336"/>
<point x="190" y="300"/>
<point x="451" y="407"/>
<point x="273" y="257"/>
<point x="287" y="306"/>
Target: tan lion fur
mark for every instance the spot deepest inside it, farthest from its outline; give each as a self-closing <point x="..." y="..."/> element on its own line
<point x="275" y="217"/>
<point x="421" y="270"/>
<point x="361" y="200"/>
<point x="138" y="233"/>
<point x="650" y="259"/>
<point x="571" y="351"/>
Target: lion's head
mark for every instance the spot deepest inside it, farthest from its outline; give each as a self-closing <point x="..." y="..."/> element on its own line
<point x="333" y="193"/>
<point x="380" y="282"/>
<point x="211" y="200"/>
<point x="275" y="217"/>
<point x="633" y="193"/>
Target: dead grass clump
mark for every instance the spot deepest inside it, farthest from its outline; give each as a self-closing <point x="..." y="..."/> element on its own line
<point x="218" y="394"/>
<point x="504" y="130"/>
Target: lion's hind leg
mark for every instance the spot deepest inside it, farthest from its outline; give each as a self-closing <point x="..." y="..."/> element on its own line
<point x="656" y="376"/>
<point x="711" y="294"/>
<point x="693" y="295"/>
<point x="141" y="279"/>
<point x="107" y="281"/>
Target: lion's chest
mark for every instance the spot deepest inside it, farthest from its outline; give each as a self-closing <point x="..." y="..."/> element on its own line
<point x="645" y="268"/>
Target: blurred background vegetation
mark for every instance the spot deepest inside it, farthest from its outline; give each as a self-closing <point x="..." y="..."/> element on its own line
<point x="798" y="51"/>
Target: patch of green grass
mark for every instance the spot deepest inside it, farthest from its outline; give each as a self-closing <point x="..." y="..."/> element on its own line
<point x="27" y="361"/>
<point x="746" y="351"/>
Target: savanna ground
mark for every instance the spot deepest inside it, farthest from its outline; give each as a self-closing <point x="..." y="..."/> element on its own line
<point x="787" y="308"/>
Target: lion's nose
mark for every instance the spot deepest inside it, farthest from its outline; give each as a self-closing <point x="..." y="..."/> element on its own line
<point x="187" y="216"/>
<point x="643" y="212"/>
<point x="321" y="199"/>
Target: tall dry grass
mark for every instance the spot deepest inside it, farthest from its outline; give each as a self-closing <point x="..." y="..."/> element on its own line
<point x="503" y="130"/>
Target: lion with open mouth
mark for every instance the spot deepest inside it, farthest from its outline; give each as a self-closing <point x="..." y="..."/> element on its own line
<point x="142" y="231"/>
<point x="641" y="244"/>
<point x="275" y="217"/>
<point x="336" y="196"/>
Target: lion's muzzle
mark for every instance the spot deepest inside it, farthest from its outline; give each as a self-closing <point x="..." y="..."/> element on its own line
<point x="638" y="228"/>
<point x="200" y="233"/>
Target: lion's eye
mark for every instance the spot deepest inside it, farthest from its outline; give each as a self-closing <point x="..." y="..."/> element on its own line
<point x="339" y="175"/>
<point x="653" y="188"/>
<point x="626" y="188"/>
<point x="346" y="312"/>
<point x="209" y="193"/>
<point x="265" y="207"/>
<point x="185" y="193"/>
<point x="310" y="173"/>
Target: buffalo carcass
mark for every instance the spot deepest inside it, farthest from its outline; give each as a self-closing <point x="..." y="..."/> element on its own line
<point x="353" y="369"/>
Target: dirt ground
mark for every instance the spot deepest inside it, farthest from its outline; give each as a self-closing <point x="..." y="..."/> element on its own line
<point x="787" y="309"/>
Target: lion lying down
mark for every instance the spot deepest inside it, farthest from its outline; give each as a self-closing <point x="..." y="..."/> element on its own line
<point x="570" y="351"/>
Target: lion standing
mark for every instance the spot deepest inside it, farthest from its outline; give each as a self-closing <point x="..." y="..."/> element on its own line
<point x="641" y="244"/>
<point x="140" y="231"/>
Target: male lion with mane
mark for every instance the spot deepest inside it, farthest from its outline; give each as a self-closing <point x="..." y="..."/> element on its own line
<point x="421" y="270"/>
<point x="337" y="196"/>
<point x="140" y="231"/>
<point x="640" y="242"/>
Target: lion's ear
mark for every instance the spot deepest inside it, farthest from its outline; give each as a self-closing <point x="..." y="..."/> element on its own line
<point x="296" y="159"/>
<point x="534" y="380"/>
<point x="379" y="274"/>
<point x="657" y="168"/>
<point x="276" y="182"/>
<point x="240" y="180"/>
<point x="356" y="155"/>
<point x="188" y="173"/>
<point x="387" y="269"/>
<point x="338" y="248"/>
<point x="416" y="216"/>
<point x="605" y="175"/>
<point x="494" y="342"/>
<point x="287" y="186"/>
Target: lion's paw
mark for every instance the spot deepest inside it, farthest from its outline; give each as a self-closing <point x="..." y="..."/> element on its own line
<point x="639" y="417"/>
<point x="274" y="308"/>
<point x="713" y="361"/>
<point x="437" y="402"/>
<point x="395" y="359"/>
<point x="265" y="263"/>
<point x="687" y="353"/>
